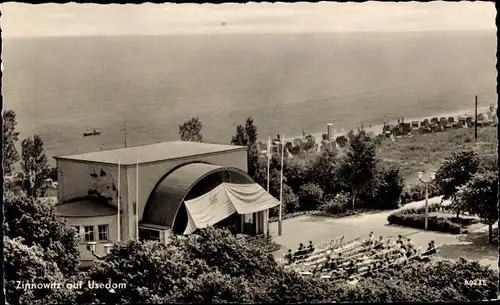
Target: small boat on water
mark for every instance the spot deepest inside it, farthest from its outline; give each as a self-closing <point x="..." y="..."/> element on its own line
<point x="92" y="133"/>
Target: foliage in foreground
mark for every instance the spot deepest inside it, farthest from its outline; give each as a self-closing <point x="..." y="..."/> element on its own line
<point x="26" y="265"/>
<point x="38" y="224"/>
<point x="213" y="266"/>
<point x="429" y="282"/>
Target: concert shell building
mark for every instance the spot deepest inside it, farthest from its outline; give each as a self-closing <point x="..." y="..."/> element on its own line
<point x="180" y="186"/>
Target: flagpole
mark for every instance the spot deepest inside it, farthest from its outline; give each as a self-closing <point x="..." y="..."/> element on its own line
<point x="268" y="160"/>
<point x="137" y="198"/>
<point x="280" y="223"/>
<point x="119" y="202"/>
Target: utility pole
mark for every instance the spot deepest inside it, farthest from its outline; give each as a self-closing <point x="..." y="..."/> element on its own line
<point x="475" y="121"/>
<point x="125" y="133"/>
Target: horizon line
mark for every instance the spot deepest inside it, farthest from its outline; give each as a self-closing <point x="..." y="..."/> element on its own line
<point x="250" y="33"/>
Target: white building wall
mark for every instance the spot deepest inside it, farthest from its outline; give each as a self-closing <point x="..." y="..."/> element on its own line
<point x="75" y="180"/>
<point x="111" y="221"/>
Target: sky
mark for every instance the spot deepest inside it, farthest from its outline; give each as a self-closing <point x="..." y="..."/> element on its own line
<point x="26" y="20"/>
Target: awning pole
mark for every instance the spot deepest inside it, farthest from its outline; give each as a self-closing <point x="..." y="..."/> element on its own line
<point x="119" y="202"/>
<point x="137" y="198"/>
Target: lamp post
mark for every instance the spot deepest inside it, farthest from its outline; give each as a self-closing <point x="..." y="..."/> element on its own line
<point x="426" y="183"/>
<point x="91" y="246"/>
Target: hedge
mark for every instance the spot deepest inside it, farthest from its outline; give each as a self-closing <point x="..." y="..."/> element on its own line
<point x="415" y="218"/>
<point x="316" y="213"/>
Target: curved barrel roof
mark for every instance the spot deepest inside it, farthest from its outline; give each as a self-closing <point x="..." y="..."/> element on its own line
<point x="169" y="194"/>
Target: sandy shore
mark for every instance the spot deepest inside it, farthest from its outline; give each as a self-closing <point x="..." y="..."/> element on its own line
<point x="377" y="129"/>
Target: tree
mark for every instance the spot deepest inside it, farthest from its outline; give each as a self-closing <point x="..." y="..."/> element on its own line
<point x="297" y="171"/>
<point x="38" y="224"/>
<point x="247" y="136"/>
<point x="27" y="265"/>
<point x="454" y="172"/>
<point x="342" y="141"/>
<point x="480" y="197"/>
<point x="324" y="172"/>
<point x="358" y="166"/>
<point x="163" y="269"/>
<point x="389" y="188"/>
<point x="310" y="145"/>
<point x="191" y="130"/>
<point x="310" y="196"/>
<point x="290" y="199"/>
<point x="10" y="138"/>
<point x="35" y="166"/>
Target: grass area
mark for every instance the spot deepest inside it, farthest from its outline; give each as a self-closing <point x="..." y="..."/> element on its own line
<point x="425" y="152"/>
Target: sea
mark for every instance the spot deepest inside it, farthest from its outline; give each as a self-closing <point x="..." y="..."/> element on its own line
<point x="141" y="88"/>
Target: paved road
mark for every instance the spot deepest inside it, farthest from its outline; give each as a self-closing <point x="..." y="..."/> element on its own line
<point x="322" y="229"/>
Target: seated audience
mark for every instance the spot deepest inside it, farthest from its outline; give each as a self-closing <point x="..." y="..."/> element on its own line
<point x="431" y="249"/>
<point x="310" y="248"/>
<point x="371" y="237"/>
<point x="379" y="244"/>
<point x="301" y="252"/>
<point x="289" y="256"/>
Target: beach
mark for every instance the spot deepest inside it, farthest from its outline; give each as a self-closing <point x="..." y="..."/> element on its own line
<point x="377" y="129"/>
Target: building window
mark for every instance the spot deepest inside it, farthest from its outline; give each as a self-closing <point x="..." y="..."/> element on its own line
<point x="148" y="234"/>
<point x="89" y="233"/>
<point x="102" y="231"/>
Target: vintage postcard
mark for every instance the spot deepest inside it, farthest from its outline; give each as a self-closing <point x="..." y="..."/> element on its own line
<point x="250" y="153"/>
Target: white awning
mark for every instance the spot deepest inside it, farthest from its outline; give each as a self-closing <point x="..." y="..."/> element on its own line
<point x="225" y="200"/>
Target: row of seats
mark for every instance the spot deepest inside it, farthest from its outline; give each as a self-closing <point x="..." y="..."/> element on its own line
<point x="362" y="258"/>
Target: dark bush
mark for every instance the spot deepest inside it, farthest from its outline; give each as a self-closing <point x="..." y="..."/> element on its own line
<point x="333" y="208"/>
<point x="310" y="196"/>
<point x="290" y="202"/>
<point x="442" y="280"/>
<point x="338" y="204"/>
<point x="489" y="162"/>
<point x="388" y="189"/>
